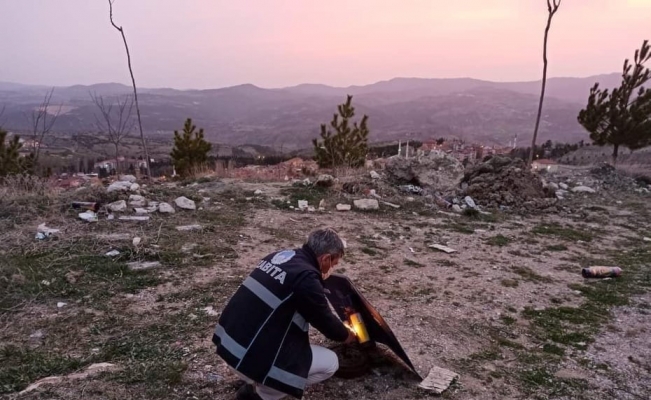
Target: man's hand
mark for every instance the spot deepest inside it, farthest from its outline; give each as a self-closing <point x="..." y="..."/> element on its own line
<point x="352" y="338"/>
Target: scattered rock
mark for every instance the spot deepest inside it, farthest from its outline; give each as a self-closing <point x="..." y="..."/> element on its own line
<point x="39" y="334"/>
<point x="88" y="216"/>
<point x="61" y="304"/>
<point x="134" y="187"/>
<point x="366" y="204"/>
<point x="166" y="208"/>
<point x="443" y="248"/>
<point x="185" y="203"/>
<point x="470" y="202"/>
<point x="143" y="265"/>
<point x="311" y="209"/>
<point x="257" y="192"/>
<point x="187" y="228"/>
<point x="302" y="205"/>
<point x="118" y="206"/>
<point x="583" y="189"/>
<point x="410" y="199"/>
<point x="119" y="186"/>
<point x="113" y="253"/>
<point x="128" y="178"/>
<point x="136" y="200"/>
<point x="42" y="231"/>
<point x="134" y="218"/>
<point x="344" y="207"/>
<point x="374" y="175"/>
<point x="563" y="186"/>
<point x="456" y="208"/>
<point x="322" y="204"/>
<point x="325" y="180"/>
<point x="647" y="239"/>
<point x="188" y="247"/>
<point x="140" y="210"/>
<point x="136" y="241"/>
<point x="436" y="171"/>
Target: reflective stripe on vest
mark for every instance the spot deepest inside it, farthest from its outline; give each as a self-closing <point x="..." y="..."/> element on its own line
<point x="262" y="292"/>
<point x="287" y="378"/>
<point x="300" y="321"/>
<point x="229" y="343"/>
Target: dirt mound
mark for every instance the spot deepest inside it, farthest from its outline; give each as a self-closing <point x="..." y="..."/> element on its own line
<point x="505" y="182"/>
<point x="437" y="171"/>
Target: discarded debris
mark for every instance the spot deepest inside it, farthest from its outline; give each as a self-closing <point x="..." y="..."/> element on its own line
<point x="134" y="218"/>
<point x="61" y="304"/>
<point x="113" y="253"/>
<point x="258" y="192"/>
<point x="166" y="208"/>
<point x="88" y="216"/>
<point x="344" y="207"/>
<point x="186" y="228"/>
<point x="114" y="236"/>
<point x="601" y="272"/>
<point x="325" y="181"/>
<point x="142" y="266"/>
<point x="302" y="205"/>
<point x="322" y="204"/>
<point x="437" y="171"/>
<point x="86" y="205"/>
<point x="386" y="203"/>
<point x="443" y="248"/>
<point x="366" y="204"/>
<point x="185" y="203"/>
<point x="438" y="380"/>
<point x="93" y="369"/>
<point x="43" y="232"/>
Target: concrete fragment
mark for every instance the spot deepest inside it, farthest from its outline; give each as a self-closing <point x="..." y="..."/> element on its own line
<point x="443" y="248"/>
<point x="438" y="380"/>
<point x="366" y="204"/>
<point x="343" y="207"/>
<point x="185" y="203"/>
<point x="134" y="218"/>
<point x="302" y="205"/>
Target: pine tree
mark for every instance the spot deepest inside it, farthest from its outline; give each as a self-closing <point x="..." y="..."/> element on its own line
<point x="622" y="117"/>
<point x="348" y="145"/>
<point x="190" y="149"/>
<point x="11" y="162"/>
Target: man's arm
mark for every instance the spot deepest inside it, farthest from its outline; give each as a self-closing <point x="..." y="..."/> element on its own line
<point x="312" y="304"/>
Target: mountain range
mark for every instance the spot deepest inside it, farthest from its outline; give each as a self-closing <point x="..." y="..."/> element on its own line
<point x="401" y="108"/>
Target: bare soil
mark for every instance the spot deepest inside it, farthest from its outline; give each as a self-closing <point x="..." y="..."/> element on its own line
<point x="509" y="311"/>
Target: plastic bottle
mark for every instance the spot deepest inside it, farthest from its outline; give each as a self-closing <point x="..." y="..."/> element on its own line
<point x="601" y="272"/>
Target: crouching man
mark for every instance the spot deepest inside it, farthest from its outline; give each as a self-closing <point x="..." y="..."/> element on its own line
<point x="262" y="333"/>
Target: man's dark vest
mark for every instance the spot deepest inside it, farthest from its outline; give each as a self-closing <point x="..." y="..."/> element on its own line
<point x="260" y="332"/>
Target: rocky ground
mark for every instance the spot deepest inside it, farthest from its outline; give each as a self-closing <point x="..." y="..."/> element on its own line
<point x="509" y="311"/>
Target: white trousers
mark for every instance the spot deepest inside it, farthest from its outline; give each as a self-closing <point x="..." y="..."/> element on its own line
<point x="324" y="364"/>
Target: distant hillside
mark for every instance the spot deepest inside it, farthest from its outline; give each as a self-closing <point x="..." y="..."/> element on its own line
<point x="475" y="110"/>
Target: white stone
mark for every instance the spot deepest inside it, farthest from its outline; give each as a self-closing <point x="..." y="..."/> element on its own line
<point x="322" y="204"/>
<point x="553" y="186"/>
<point x="366" y="204"/>
<point x="166" y="208"/>
<point x="119" y="186"/>
<point x="88" y="216"/>
<point x="136" y="200"/>
<point x="140" y="210"/>
<point x="185" y="203"/>
<point x="343" y="207"/>
<point x="470" y="202"/>
<point x="113" y="253"/>
<point x="302" y="205"/>
<point x="136" y="240"/>
<point x="118" y="206"/>
<point x="61" y="304"/>
<point x="134" y="187"/>
<point x="311" y="209"/>
<point x="257" y="192"/>
<point x="563" y="186"/>
<point x="128" y="178"/>
<point x="211" y="311"/>
<point x="456" y="208"/>
<point x="374" y="175"/>
<point x="583" y="189"/>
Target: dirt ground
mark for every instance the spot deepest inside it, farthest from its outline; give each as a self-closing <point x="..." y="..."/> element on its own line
<point x="509" y="311"/>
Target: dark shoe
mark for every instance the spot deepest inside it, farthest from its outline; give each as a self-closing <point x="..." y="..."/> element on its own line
<point x="247" y="392"/>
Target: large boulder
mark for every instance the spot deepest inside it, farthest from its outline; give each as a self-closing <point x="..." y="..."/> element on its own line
<point x="436" y="171"/>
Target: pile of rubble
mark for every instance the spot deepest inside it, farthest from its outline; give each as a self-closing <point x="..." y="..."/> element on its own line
<point x="435" y="172"/>
<point x="503" y="182"/>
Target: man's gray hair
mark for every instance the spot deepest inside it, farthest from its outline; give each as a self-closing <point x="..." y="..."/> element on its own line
<point x="326" y="241"/>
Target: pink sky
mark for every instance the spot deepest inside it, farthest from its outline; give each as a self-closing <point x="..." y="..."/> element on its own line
<point x="273" y="43"/>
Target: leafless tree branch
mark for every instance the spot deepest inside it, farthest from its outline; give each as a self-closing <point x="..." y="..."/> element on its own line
<point x="133" y="81"/>
<point x="41" y="122"/>
<point x="552" y="7"/>
<point x="115" y="122"/>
